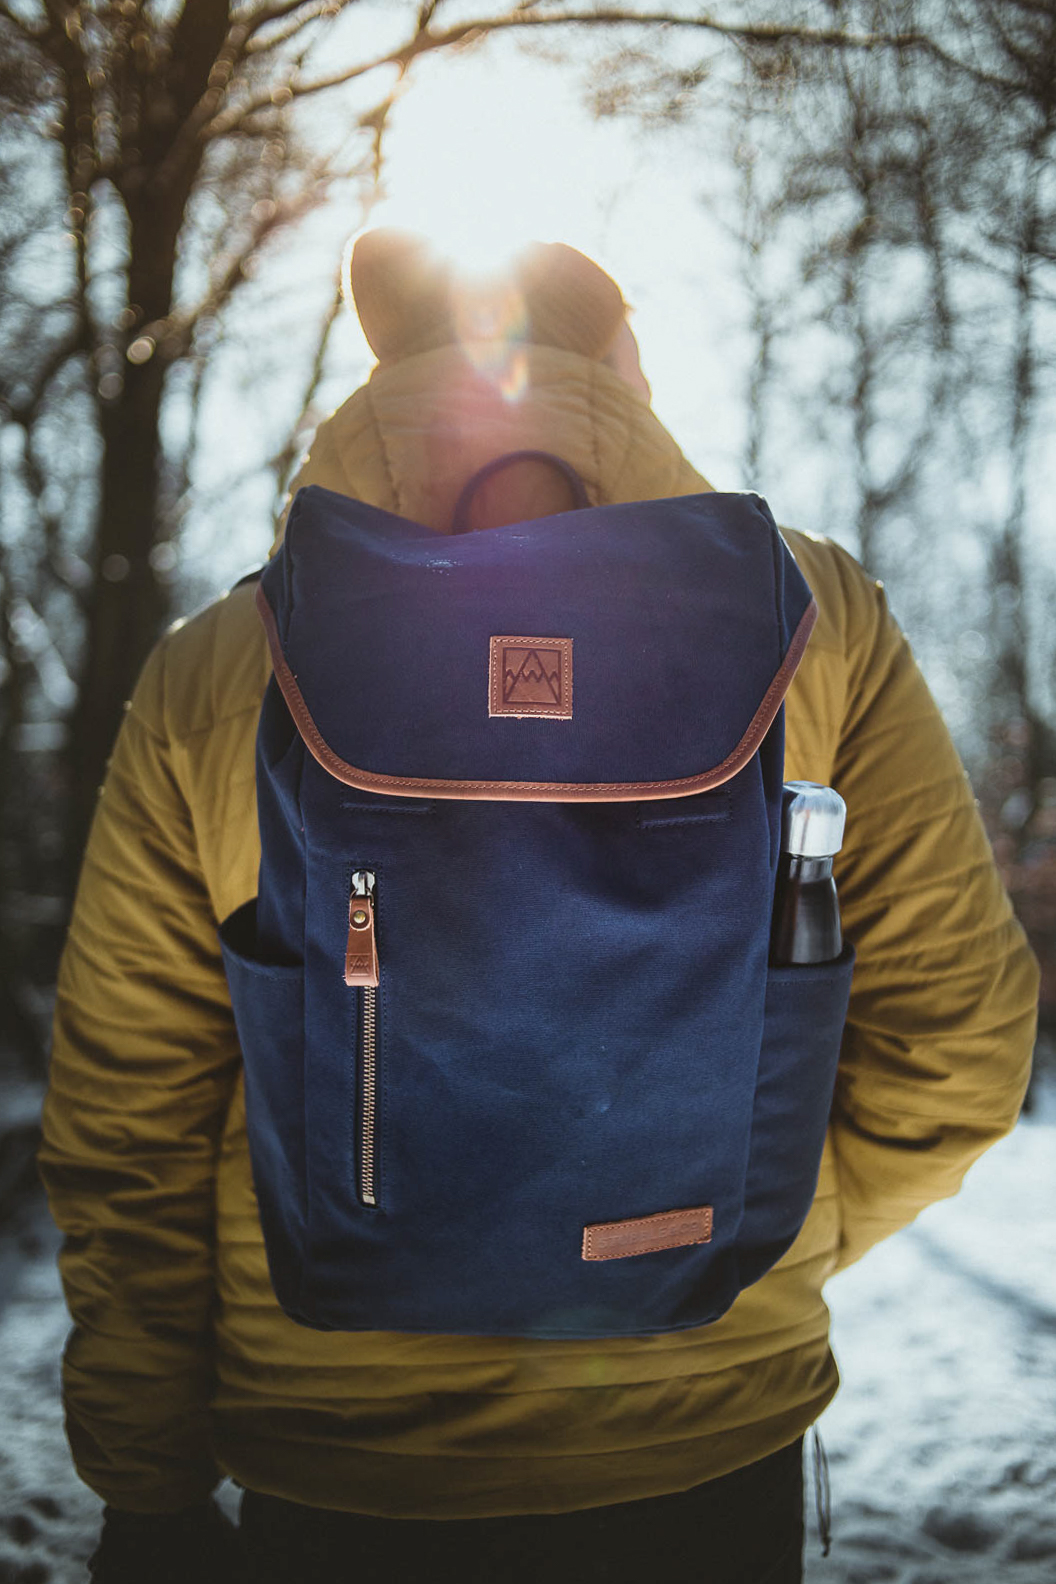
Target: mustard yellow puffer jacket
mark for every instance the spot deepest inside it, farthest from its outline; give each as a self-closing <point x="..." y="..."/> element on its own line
<point x="180" y="1364"/>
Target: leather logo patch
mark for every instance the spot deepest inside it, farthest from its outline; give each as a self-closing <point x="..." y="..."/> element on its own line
<point x="647" y="1234"/>
<point x="530" y="676"/>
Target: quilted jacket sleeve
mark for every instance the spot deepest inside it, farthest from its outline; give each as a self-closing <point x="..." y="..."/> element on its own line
<point x="143" y="1064"/>
<point x="940" y="1032"/>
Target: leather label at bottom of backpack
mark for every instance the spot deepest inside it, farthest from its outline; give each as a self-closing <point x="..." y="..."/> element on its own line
<point x="647" y="1234"/>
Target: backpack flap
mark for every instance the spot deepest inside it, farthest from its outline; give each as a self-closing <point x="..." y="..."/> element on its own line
<point x="615" y="653"/>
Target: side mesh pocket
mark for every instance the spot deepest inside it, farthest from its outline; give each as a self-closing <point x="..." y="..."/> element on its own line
<point x="806" y="1007"/>
<point x="268" y="1002"/>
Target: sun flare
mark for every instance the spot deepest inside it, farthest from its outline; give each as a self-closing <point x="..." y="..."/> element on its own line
<point x="481" y="170"/>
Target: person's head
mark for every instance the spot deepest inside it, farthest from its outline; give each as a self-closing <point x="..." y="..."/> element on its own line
<point x="411" y="302"/>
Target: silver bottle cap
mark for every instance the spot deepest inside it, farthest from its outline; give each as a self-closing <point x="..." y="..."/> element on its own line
<point x="812" y="820"/>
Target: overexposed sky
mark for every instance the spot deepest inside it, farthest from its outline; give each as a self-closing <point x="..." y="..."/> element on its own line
<point x="488" y="149"/>
<point x="493" y="146"/>
<point x="497" y="148"/>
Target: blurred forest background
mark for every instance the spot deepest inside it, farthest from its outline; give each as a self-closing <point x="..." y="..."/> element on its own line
<point x="881" y="171"/>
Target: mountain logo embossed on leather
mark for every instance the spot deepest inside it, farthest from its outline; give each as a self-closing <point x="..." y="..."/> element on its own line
<point x="530" y="676"/>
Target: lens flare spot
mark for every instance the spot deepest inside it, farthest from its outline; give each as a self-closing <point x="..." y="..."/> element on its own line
<point x="513" y="382"/>
<point x="491" y="323"/>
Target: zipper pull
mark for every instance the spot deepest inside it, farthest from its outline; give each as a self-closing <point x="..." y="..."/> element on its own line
<point x="361" y="954"/>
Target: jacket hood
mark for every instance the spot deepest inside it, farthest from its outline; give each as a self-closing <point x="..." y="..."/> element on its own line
<point x="470" y="370"/>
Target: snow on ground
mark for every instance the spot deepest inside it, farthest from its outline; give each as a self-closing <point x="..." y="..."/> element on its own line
<point x="942" y="1442"/>
<point x="47" y="1517"/>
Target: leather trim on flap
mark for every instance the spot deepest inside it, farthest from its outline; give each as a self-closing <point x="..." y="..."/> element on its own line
<point x="533" y="791"/>
<point x="647" y="1234"/>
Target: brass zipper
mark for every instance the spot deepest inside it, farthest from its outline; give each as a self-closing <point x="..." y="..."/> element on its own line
<point x="361" y="971"/>
<point x="368" y="1121"/>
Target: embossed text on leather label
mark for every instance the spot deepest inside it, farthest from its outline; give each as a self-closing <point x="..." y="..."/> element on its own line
<point x="530" y="676"/>
<point x="647" y="1234"/>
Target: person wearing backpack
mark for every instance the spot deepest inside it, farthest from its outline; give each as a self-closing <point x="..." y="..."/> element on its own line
<point x="545" y="1441"/>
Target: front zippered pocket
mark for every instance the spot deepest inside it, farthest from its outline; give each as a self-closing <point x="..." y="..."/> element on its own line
<point x="361" y="972"/>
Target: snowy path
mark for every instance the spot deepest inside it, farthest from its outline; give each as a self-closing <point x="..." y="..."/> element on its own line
<point x="47" y="1517"/>
<point x="942" y="1442"/>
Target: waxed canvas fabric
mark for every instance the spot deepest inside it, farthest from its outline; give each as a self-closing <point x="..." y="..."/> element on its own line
<point x="680" y="614"/>
<point x="180" y="1363"/>
<point x="571" y="1015"/>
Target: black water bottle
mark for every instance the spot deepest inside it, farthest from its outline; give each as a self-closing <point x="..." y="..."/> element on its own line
<point x="806" y="922"/>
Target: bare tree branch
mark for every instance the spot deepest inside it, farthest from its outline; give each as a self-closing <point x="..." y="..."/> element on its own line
<point x="254" y="21"/>
<point x="297" y="13"/>
<point x="426" y="41"/>
<point x="174" y="334"/>
<point x="258" y="48"/>
<point x="239" y="117"/>
<point x="282" y="463"/>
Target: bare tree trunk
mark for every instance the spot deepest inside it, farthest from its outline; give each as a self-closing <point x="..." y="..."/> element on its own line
<point x="1012" y="626"/>
<point x="127" y="604"/>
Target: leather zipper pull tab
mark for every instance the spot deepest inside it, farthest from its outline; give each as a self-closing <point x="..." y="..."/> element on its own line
<point x="361" y="953"/>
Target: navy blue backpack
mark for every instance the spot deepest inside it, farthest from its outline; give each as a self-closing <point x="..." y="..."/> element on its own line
<point x="515" y="1061"/>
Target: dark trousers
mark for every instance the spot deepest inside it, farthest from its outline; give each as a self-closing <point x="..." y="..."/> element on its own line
<point x="746" y="1528"/>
